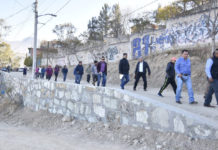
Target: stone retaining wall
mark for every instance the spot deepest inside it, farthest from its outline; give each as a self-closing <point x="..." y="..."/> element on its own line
<point x="108" y="105"/>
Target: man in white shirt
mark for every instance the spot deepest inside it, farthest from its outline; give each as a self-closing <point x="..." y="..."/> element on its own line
<point x="140" y="71"/>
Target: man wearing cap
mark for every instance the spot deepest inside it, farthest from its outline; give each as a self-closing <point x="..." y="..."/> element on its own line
<point x="102" y="72"/>
<point x="140" y="71"/>
<point x="170" y="77"/>
<point x="183" y="71"/>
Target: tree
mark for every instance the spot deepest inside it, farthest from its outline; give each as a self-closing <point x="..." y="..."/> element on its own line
<point x="65" y="31"/>
<point x="28" y="61"/>
<point x="176" y="8"/>
<point x="66" y="37"/>
<point x="139" y="24"/>
<point x="104" y="19"/>
<point x="94" y="29"/>
<point x="116" y="26"/>
<point x="6" y="54"/>
<point x="167" y="12"/>
<point x="211" y="16"/>
<point x="16" y="62"/>
<point x="3" y="29"/>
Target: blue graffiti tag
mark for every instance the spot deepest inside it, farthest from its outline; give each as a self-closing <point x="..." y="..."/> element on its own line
<point x="136" y="44"/>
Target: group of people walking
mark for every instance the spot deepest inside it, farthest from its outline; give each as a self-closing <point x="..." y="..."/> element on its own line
<point x="177" y="69"/>
<point x="181" y="70"/>
<point x="98" y="70"/>
<point x="42" y="72"/>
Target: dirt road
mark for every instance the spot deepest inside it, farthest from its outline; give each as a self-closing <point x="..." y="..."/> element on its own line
<point x="22" y="138"/>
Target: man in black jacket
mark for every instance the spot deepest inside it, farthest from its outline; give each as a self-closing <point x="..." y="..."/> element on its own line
<point x="140" y="71"/>
<point x="170" y="77"/>
<point x="124" y="70"/>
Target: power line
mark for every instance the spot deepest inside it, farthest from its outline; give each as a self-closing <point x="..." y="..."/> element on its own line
<point x="18" y="3"/>
<point x="53" y="2"/>
<point x="55" y="13"/>
<point x="16" y="13"/>
<point x="141" y="8"/>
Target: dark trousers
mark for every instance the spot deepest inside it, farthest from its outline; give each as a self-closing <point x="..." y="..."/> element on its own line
<point x="48" y="77"/>
<point x="42" y="75"/>
<point x="167" y="82"/>
<point x="138" y="75"/>
<point x="95" y="78"/>
<point x="88" y="78"/>
<point x="212" y="89"/>
<point x="56" y="76"/>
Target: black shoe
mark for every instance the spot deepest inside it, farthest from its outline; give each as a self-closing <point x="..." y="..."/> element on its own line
<point x="145" y="90"/>
<point x="194" y="102"/>
<point x="134" y="89"/>
<point x="179" y="102"/>
<point x="159" y="94"/>
<point x="208" y="105"/>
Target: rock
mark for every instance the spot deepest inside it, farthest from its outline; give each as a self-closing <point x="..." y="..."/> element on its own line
<point x="159" y="146"/>
<point x="67" y="118"/>
<point x="73" y="122"/>
<point x="135" y="142"/>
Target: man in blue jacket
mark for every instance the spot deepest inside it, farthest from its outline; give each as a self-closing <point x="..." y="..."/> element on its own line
<point x="78" y="72"/>
<point x="124" y="70"/>
<point x="183" y="71"/>
<point x="140" y="71"/>
<point x="212" y="75"/>
<point x="170" y="77"/>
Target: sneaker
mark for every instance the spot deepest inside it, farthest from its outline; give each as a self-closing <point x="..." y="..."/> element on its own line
<point x="194" y="102"/>
<point x="159" y="94"/>
<point x="179" y="102"/>
<point x="208" y="105"/>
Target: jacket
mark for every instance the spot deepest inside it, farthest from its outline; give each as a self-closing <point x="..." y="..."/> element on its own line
<point x="99" y="67"/>
<point x="49" y="71"/>
<point x="124" y="66"/>
<point x="145" y="66"/>
<point x="64" y="71"/>
<point x="170" y="70"/>
<point x="78" y="70"/>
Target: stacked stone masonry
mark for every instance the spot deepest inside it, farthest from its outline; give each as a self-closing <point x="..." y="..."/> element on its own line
<point x="108" y="105"/>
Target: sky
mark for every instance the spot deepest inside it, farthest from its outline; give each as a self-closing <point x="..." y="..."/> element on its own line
<point x="19" y="14"/>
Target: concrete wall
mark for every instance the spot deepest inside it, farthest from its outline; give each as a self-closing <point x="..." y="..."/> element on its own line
<point x="108" y="105"/>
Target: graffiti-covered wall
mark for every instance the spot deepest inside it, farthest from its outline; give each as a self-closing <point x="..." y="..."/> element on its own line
<point x="112" y="51"/>
<point x="181" y="32"/>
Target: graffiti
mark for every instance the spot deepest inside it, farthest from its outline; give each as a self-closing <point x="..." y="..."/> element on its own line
<point x="111" y="52"/>
<point x="136" y="44"/>
<point x="178" y="34"/>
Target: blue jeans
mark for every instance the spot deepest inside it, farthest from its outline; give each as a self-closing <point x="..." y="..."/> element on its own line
<point x="124" y="80"/>
<point x="78" y="78"/>
<point x="187" y="80"/>
<point x="104" y="78"/>
<point x="65" y="76"/>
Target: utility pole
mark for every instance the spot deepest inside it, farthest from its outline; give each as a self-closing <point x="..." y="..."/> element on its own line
<point x="35" y="36"/>
<point x="35" y="39"/>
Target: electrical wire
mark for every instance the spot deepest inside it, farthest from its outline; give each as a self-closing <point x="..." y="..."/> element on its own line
<point x="16" y="13"/>
<point x="55" y="13"/>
